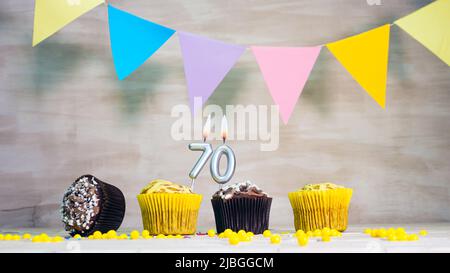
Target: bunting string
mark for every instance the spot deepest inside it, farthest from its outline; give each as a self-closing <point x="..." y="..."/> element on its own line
<point x="284" y="69"/>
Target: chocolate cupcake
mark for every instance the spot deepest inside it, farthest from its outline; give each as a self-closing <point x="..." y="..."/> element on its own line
<point x="241" y="206"/>
<point x="90" y="204"/>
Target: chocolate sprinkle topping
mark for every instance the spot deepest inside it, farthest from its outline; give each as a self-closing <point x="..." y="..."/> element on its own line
<point x="81" y="205"/>
<point x="244" y="189"/>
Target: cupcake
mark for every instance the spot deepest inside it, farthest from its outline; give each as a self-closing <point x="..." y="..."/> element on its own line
<point x="168" y="208"/>
<point x="241" y="206"/>
<point x="90" y="204"/>
<point x="317" y="206"/>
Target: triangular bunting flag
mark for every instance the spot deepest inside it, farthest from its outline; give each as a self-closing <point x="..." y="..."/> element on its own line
<point x="286" y="70"/>
<point x="133" y="40"/>
<point x="431" y="27"/>
<point x="52" y="15"/>
<point x="206" y="63"/>
<point x="365" y="56"/>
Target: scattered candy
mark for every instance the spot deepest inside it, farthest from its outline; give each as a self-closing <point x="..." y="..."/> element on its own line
<point x="423" y="232"/>
<point x="275" y="239"/>
<point x="227" y="233"/>
<point x="299" y="233"/>
<point x="392" y="234"/>
<point x="325" y="238"/>
<point x="134" y="235"/>
<point x="302" y="240"/>
<point x="267" y="233"/>
<point x="233" y="240"/>
<point x="317" y="233"/>
<point x="211" y="233"/>
<point x="112" y="234"/>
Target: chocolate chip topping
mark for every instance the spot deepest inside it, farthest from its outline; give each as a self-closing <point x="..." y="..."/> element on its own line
<point x="244" y="189"/>
<point x="81" y="205"/>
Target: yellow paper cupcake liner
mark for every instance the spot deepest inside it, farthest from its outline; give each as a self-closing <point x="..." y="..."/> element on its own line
<point x="318" y="209"/>
<point x="169" y="213"/>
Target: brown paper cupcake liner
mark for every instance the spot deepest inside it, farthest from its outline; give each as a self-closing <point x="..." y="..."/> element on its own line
<point x="318" y="209"/>
<point x="249" y="214"/>
<point x="169" y="213"/>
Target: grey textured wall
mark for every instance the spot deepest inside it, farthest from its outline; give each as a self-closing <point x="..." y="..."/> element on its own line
<point x="63" y="112"/>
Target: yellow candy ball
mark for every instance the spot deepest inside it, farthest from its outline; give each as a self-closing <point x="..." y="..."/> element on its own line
<point x="382" y="233"/>
<point x="368" y="231"/>
<point x="400" y="230"/>
<point x="36" y="239"/>
<point x="413" y="237"/>
<point x="250" y="234"/>
<point x="317" y="233"/>
<point x="326" y="229"/>
<point x="326" y="232"/>
<point x="179" y="236"/>
<point x="160" y="236"/>
<point x="310" y="233"/>
<point x="374" y="233"/>
<point x="112" y="234"/>
<point x="242" y="232"/>
<point x="423" y="232"/>
<point x="123" y="236"/>
<point x="222" y="235"/>
<point x="302" y="240"/>
<point x="77" y="236"/>
<point x="134" y="235"/>
<point x="105" y="236"/>
<point x="170" y="236"/>
<point x="91" y="237"/>
<point x="335" y="233"/>
<point x="2" y="237"/>
<point x="26" y="236"/>
<point x="402" y="237"/>
<point x="145" y="233"/>
<point x="8" y="237"/>
<point x="97" y="235"/>
<point x="275" y="239"/>
<point x="211" y="233"/>
<point x="392" y="237"/>
<point x="326" y="238"/>
<point x="267" y="233"/>
<point x="233" y="240"/>
<point x="57" y="239"/>
<point x="299" y="233"/>
<point x="228" y="232"/>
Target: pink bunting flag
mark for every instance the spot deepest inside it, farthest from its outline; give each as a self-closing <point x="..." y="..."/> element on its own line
<point x="206" y="63"/>
<point x="286" y="70"/>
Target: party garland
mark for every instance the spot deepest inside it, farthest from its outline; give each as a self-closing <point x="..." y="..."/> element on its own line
<point x="285" y="69"/>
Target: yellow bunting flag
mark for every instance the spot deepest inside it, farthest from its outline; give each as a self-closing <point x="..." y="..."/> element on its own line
<point x="431" y="27"/>
<point x="52" y="15"/>
<point x="365" y="56"/>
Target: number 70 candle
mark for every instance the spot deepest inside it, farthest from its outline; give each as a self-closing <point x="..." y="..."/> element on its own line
<point x="207" y="150"/>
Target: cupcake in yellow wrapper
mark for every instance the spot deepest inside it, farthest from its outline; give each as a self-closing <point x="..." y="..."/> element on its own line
<point x="317" y="206"/>
<point x="168" y="208"/>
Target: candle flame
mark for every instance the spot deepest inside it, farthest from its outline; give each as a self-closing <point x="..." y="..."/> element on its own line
<point x="224" y="128"/>
<point x="207" y="128"/>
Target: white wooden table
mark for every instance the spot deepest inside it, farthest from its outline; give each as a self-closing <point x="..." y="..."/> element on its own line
<point x="353" y="240"/>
